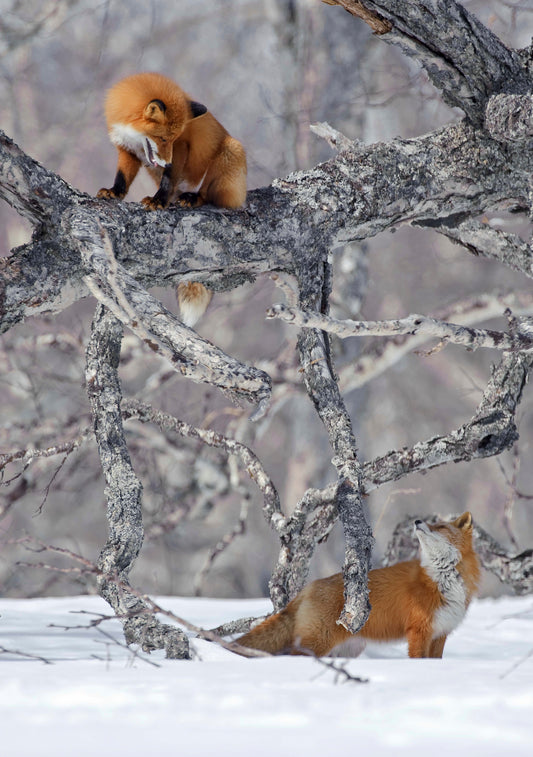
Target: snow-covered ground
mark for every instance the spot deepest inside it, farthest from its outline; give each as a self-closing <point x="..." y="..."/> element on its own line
<point x="96" y="698"/>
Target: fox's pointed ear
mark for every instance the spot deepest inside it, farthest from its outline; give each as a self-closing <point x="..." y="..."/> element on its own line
<point x="197" y="109"/>
<point x="155" y="111"/>
<point x="464" y="521"/>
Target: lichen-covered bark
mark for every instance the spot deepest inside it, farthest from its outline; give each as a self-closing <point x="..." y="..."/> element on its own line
<point x="123" y="493"/>
<point x="322" y="387"/>
<point x="444" y="177"/>
<point x="463" y="59"/>
<point x="162" y="332"/>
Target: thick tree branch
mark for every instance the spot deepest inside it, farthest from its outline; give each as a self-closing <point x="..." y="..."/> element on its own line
<point x="481" y="239"/>
<point x="510" y="117"/>
<point x="463" y="59"/>
<point x="123" y="493"/>
<point x="452" y="174"/>
<point x="322" y="387"/>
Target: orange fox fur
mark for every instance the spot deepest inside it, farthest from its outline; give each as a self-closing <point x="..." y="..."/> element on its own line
<point x="419" y="600"/>
<point x="153" y="123"/>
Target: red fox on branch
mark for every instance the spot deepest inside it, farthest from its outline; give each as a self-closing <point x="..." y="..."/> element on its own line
<point x="153" y="123"/>
<point x="419" y="600"/>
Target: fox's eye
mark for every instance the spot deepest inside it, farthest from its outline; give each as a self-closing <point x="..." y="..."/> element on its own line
<point x="162" y="140"/>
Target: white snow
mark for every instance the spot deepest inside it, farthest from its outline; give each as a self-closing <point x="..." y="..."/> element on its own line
<point x="98" y="699"/>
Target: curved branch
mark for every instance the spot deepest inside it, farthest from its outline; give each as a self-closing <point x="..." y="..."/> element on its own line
<point x="463" y="58"/>
<point x="481" y="239"/>
<point x="490" y="431"/>
<point x="189" y="354"/>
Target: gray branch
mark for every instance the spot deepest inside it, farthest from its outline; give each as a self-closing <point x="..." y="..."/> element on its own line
<point x="413" y="324"/>
<point x="463" y="58"/>
<point x="490" y="431"/>
<point x="481" y="239"/>
<point x="510" y="117"/>
<point x="163" y="332"/>
<point x="444" y="177"/>
<point x="441" y="180"/>
<point x="323" y="390"/>
<point x="380" y="354"/>
<point x="123" y="492"/>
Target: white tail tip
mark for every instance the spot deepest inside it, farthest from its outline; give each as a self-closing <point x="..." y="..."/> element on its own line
<point x="193" y="299"/>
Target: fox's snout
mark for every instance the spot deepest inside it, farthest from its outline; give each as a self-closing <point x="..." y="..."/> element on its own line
<point x="153" y="155"/>
<point x="419" y="525"/>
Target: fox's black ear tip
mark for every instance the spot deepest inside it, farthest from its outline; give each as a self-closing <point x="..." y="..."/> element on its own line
<point x="197" y="109"/>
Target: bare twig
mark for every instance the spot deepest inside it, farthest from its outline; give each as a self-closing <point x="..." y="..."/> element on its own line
<point x="144" y="611"/>
<point x="384" y="352"/>
<point x="27" y="655"/>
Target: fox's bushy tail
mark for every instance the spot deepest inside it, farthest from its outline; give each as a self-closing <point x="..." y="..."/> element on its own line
<point x="273" y="635"/>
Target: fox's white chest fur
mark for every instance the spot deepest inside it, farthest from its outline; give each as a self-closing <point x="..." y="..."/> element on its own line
<point x="453" y="591"/>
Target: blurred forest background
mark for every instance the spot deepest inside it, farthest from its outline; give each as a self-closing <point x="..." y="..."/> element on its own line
<point x="267" y="69"/>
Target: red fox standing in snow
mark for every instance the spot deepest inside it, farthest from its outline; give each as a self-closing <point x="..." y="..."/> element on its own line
<point x="421" y="600"/>
<point x="188" y="153"/>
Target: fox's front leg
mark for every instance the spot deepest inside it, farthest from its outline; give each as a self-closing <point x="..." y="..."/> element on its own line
<point x="419" y="641"/>
<point x="127" y="169"/>
<point x="437" y="647"/>
<point x="163" y="195"/>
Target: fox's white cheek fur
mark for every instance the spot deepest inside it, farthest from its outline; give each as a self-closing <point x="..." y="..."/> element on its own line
<point x="123" y="135"/>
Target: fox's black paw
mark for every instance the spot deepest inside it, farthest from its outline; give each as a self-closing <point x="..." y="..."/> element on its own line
<point x="189" y="200"/>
